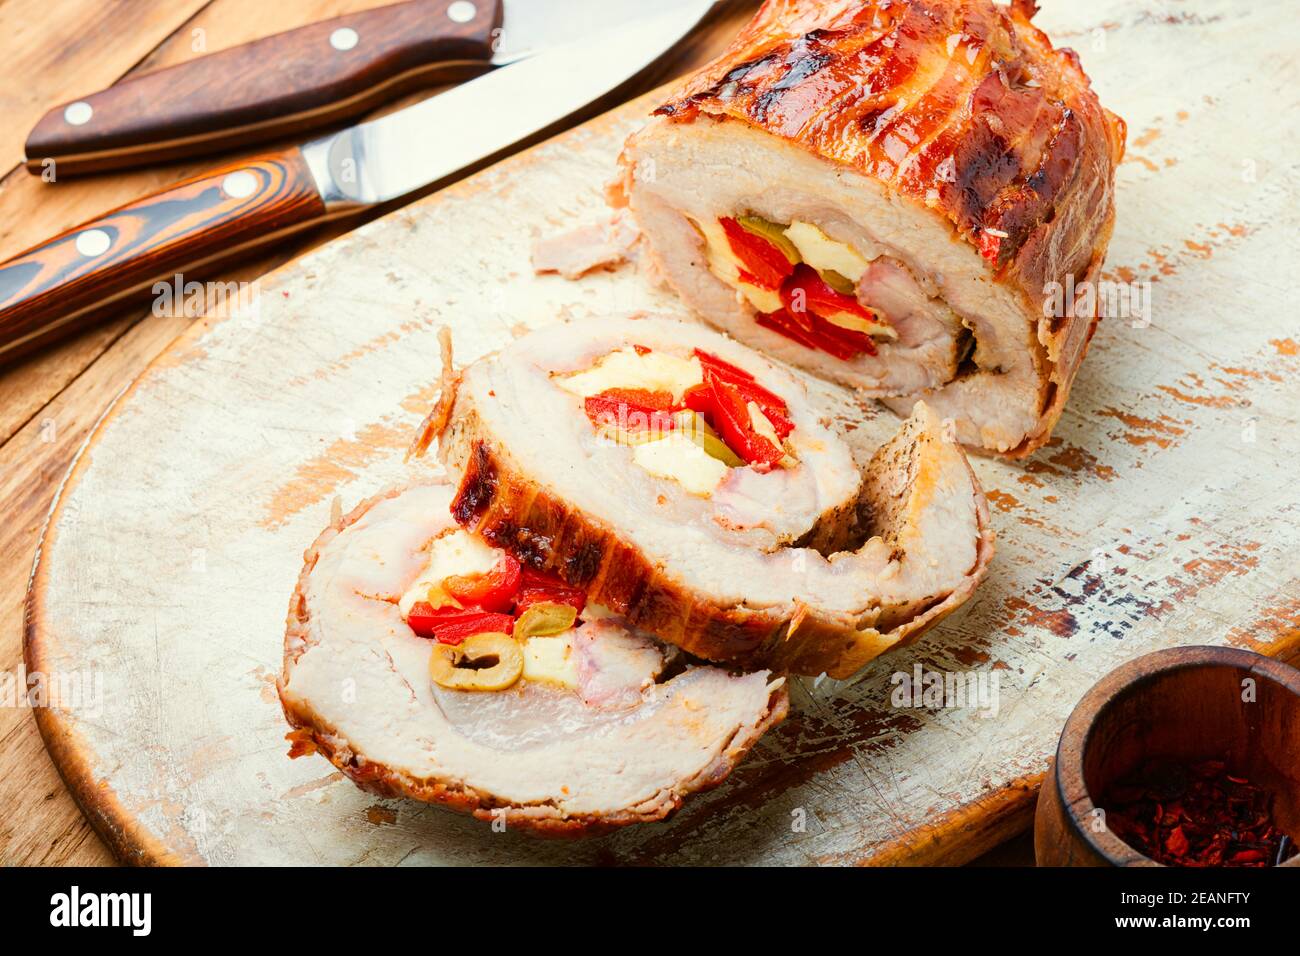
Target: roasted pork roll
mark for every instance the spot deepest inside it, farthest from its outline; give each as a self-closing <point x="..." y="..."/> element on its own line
<point x="894" y="195"/>
<point x="688" y="484"/>
<point x="425" y="663"/>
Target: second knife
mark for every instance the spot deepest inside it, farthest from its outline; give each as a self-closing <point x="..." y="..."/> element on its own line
<point x="66" y="282"/>
<point x="308" y="78"/>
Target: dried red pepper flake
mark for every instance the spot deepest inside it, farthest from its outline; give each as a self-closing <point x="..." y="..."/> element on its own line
<point x="990" y="245"/>
<point x="1196" y="815"/>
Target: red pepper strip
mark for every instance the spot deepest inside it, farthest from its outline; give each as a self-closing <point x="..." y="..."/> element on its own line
<point x="780" y="424"/>
<point x="818" y="297"/>
<point x="781" y="321"/>
<point x="699" y="398"/>
<point x="857" y="341"/>
<point x="527" y="597"/>
<point x="730" y="416"/>
<point x="735" y="375"/>
<point x="766" y="264"/>
<point x="539" y="587"/>
<point x="773" y="406"/>
<point x="807" y="325"/>
<point x="644" y="398"/>
<point x="632" y="409"/>
<point x="453" y="625"/>
<point x="785" y="324"/>
<point x="493" y="591"/>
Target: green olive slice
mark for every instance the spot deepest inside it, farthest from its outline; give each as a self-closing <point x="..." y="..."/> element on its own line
<point x="841" y="284"/>
<point x="491" y="661"/>
<point x="545" y="619"/>
<point x="694" y="427"/>
<point x="773" y="233"/>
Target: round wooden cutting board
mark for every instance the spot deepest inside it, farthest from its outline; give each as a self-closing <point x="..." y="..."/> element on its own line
<point x="1163" y="512"/>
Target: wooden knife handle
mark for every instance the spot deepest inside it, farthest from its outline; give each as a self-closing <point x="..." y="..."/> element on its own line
<point x="64" y="284"/>
<point x="313" y="76"/>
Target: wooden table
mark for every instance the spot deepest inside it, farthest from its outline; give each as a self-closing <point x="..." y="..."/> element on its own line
<point x="50" y="402"/>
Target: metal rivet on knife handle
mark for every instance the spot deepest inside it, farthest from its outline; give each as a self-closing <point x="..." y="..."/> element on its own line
<point x="93" y="242"/>
<point x="344" y="38"/>
<point x="78" y="113"/>
<point x="462" y="11"/>
<point x="72" y="280"/>
<point x="239" y="185"/>
<point x="314" y="76"/>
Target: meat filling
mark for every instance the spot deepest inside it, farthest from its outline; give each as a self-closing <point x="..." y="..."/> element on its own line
<point x="829" y="298"/>
<point x="691" y="418"/>
<point x="496" y="625"/>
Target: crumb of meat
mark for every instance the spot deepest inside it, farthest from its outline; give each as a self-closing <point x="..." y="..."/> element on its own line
<point x="616" y="191"/>
<point x="573" y="254"/>
<point x="436" y="420"/>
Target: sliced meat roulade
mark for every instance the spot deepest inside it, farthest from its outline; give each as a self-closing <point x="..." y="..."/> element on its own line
<point x="898" y="196"/>
<point x="688" y="484"/>
<point x="425" y="663"/>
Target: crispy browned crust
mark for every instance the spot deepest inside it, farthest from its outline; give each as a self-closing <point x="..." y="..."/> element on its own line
<point x="1033" y="153"/>
<point x="498" y="500"/>
<point x="313" y="734"/>
<point x="831" y="653"/>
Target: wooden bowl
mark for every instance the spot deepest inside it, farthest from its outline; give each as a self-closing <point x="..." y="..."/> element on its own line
<point x="1184" y="704"/>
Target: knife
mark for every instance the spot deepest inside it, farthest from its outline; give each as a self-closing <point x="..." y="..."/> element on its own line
<point x="314" y="76"/>
<point x="63" y="284"/>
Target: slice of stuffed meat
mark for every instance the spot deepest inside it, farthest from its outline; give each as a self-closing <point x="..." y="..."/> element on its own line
<point x="425" y="663"/>
<point x="895" y="196"/>
<point x="788" y="554"/>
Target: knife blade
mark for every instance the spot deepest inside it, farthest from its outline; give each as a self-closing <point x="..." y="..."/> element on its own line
<point x="67" y="282"/>
<point x="395" y="154"/>
<point x="315" y="76"/>
<point x="531" y="26"/>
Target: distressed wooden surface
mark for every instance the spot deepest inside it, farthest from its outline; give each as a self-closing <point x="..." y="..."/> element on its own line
<point x="50" y="402"/>
<point x="1162" y="513"/>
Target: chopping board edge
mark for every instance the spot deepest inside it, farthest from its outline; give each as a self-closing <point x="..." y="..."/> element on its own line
<point x="130" y="841"/>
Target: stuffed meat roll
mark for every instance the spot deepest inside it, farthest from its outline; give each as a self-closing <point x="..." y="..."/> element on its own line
<point x="689" y="485"/>
<point x="426" y="663"/>
<point x="892" y="195"/>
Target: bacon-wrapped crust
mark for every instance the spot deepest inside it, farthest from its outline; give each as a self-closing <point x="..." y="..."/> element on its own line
<point x="962" y="109"/>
